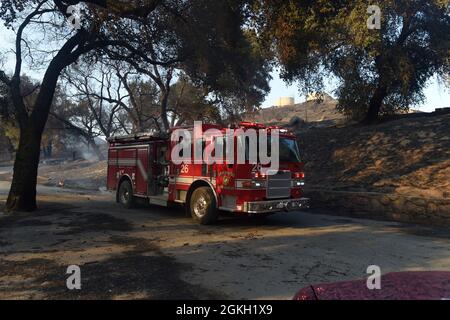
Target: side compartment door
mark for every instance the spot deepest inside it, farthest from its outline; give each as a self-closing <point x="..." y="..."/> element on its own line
<point x="112" y="176"/>
<point x="142" y="164"/>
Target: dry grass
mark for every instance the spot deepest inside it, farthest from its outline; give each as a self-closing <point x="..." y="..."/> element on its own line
<point x="407" y="156"/>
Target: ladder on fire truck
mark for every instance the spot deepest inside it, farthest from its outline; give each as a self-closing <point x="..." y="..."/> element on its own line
<point x="138" y="137"/>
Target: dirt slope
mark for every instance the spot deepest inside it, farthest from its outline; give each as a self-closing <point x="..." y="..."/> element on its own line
<point x="408" y="156"/>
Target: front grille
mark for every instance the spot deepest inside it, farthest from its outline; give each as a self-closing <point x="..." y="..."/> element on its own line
<point x="279" y="185"/>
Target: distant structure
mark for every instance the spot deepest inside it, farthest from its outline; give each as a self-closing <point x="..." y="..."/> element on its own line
<point x="284" y="101"/>
<point x="313" y="96"/>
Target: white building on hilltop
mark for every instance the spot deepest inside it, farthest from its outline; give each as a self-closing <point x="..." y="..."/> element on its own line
<point x="285" y="101"/>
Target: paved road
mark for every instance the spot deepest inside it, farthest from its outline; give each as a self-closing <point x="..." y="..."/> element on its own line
<point x="238" y="258"/>
<point x="272" y="259"/>
<point x="6" y="170"/>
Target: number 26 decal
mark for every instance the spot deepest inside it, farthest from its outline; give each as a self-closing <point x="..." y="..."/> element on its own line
<point x="257" y="167"/>
<point x="184" y="168"/>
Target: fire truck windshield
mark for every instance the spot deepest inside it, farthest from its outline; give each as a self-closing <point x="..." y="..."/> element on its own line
<point x="288" y="150"/>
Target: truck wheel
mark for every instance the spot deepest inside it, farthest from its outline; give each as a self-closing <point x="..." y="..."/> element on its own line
<point x="203" y="206"/>
<point x="126" y="197"/>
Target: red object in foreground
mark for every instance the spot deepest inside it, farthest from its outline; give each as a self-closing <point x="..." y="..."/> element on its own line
<point x="394" y="286"/>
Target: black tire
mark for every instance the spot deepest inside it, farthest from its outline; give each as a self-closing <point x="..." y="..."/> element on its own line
<point x="125" y="195"/>
<point x="203" y="206"/>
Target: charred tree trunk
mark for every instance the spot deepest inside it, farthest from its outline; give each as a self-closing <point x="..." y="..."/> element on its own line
<point x="22" y="195"/>
<point x="375" y="104"/>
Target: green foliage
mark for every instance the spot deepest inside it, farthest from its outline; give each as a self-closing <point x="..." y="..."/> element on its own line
<point x="5" y="102"/>
<point x="315" y="39"/>
<point x="145" y="102"/>
<point x="8" y="126"/>
<point x="231" y="61"/>
<point x="207" y="40"/>
<point x="11" y="132"/>
<point x="189" y="103"/>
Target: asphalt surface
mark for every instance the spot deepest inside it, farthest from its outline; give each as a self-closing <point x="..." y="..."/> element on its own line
<point x="152" y="252"/>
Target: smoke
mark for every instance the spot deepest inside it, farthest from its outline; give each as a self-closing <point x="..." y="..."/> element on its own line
<point x="87" y="154"/>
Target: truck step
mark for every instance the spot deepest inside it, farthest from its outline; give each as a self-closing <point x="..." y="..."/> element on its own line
<point x="159" y="200"/>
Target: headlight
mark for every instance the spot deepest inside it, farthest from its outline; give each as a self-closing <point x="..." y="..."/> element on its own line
<point x="298" y="183"/>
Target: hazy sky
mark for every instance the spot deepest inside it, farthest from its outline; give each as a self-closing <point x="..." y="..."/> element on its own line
<point x="437" y="96"/>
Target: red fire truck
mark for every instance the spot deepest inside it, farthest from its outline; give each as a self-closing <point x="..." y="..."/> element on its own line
<point x="140" y="166"/>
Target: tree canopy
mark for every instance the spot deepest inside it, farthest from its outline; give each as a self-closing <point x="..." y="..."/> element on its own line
<point x="204" y="39"/>
<point x="378" y="70"/>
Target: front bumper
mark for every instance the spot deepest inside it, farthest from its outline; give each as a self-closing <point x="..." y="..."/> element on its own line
<point x="276" y="205"/>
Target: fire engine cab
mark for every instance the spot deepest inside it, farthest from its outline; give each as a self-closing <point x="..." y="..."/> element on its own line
<point x="141" y="166"/>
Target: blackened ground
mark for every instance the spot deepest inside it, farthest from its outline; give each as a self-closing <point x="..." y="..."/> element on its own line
<point x="159" y="253"/>
<point x="36" y="249"/>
